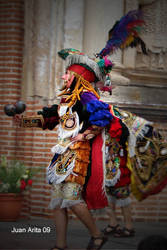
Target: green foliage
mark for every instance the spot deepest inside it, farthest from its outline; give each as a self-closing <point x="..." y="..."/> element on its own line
<point x="14" y="176"/>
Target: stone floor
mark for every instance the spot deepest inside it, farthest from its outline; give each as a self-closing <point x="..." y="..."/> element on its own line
<point x="40" y="234"/>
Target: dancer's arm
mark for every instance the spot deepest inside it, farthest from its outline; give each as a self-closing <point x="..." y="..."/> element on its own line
<point x="48" y="118"/>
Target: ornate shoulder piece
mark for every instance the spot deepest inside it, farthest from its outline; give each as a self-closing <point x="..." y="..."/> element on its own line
<point x="32" y="121"/>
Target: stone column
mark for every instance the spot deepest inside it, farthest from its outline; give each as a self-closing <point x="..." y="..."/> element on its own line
<point x="44" y="28"/>
<point x="100" y="16"/>
<point x="154" y="35"/>
<point x="74" y="24"/>
<point x="49" y="27"/>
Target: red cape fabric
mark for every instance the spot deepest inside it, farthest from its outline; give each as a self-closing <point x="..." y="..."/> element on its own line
<point x="95" y="196"/>
<point x="125" y="178"/>
<point x="115" y="128"/>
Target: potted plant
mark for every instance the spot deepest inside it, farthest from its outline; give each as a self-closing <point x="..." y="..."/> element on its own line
<point x="15" y="178"/>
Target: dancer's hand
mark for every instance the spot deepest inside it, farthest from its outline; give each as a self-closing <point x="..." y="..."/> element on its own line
<point x="79" y="137"/>
<point x="17" y="120"/>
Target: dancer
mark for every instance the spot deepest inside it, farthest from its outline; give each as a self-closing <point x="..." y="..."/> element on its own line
<point x="79" y="117"/>
<point x="119" y="194"/>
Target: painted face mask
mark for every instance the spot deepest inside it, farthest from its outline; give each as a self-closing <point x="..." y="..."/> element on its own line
<point x="68" y="78"/>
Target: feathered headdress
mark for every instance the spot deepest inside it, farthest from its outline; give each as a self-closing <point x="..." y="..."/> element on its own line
<point x="125" y="33"/>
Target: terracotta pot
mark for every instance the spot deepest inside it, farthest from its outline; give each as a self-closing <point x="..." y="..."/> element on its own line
<point x="10" y="206"/>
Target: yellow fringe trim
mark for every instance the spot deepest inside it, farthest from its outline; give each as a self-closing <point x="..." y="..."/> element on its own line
<point x="81" y="84"/>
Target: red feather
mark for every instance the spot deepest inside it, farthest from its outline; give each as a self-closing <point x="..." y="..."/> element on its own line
<point x="135" y="23"/>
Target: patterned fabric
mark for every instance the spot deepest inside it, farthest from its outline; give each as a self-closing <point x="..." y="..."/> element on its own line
<point x="147" y="156"/>
<point x="70" y="162"/>
<point x="82" y="151"/>
<point x="70" y="165"/>
<point x="112" y="161"/>
<point x="119" y="202"/>
<point x="65" y="194"/>
<point x="32" y="121"/>
<point x="118" y="193"/>
<point x="61" y="166"/>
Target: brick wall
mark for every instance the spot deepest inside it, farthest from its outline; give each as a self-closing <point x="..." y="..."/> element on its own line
<point x="28" y="145"/>
<point x="11" y="58"/>
<point x="32" y="146"/>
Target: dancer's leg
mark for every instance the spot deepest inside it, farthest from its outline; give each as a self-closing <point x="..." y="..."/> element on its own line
<point x="61" y="221"/>
<point x="84" y="215"/>
<point x="112" y="215"/>
<point x="113" y="225"/>
<point x="126" y="211"/>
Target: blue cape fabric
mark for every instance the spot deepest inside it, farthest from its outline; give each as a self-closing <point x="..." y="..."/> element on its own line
<point x="99" y="113"/>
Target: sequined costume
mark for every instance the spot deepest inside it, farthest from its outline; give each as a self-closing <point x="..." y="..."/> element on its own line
<point x="85" y="114"/>
<point x="117" y="148"/>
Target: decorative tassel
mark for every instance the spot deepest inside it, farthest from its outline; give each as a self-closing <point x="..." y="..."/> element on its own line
<point x="121" y="152"/>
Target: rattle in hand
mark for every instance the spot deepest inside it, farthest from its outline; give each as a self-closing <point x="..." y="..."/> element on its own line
<point x="13" y="109"/>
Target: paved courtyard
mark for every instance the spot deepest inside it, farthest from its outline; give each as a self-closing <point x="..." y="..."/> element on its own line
<point x="40" y="234"/>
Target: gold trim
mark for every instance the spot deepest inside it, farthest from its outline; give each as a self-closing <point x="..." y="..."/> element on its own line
<point x="32" y="121"/>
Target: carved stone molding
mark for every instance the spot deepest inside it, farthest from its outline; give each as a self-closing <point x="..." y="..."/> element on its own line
<point x="144" y="95"/>
<point x="154" y="61"/>
<point x="155" y="36"/>
<point x="145" y="2"/>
